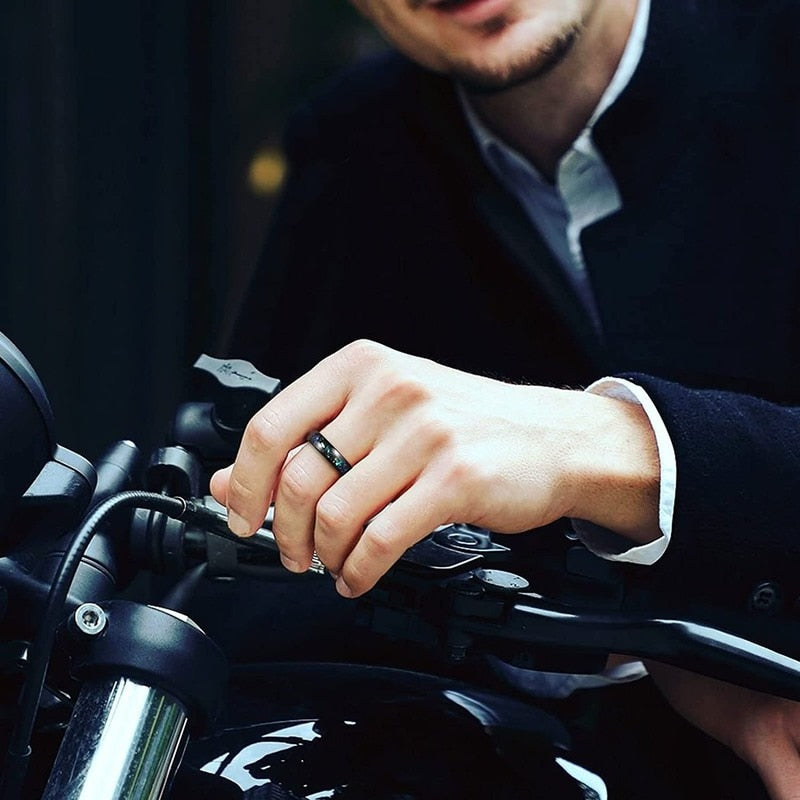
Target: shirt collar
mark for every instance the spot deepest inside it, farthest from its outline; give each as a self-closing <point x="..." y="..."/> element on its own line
<point x="622" y="76"/>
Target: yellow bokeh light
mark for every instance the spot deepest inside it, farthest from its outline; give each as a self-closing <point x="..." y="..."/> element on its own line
<point x="266" y="172"/>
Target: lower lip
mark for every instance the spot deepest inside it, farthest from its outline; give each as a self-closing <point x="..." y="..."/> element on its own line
<point x="472" y="12"/>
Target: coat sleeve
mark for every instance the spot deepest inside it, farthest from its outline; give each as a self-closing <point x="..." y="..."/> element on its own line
<point x="738" y="488"/>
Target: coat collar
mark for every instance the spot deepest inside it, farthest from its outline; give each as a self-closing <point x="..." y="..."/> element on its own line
<point x="662" y="96"/>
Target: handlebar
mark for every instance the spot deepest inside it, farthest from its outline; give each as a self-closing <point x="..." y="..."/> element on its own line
<point x="458" y="589"/>
<point x="448" y="582"/>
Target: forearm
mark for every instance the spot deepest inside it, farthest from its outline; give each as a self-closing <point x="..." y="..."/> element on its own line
<point x="761" y="729"/>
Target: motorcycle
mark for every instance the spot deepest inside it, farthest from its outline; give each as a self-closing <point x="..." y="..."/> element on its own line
<point x="106" y="693"/>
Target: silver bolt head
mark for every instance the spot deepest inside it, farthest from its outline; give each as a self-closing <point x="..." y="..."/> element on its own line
<point x="90" y="619"/>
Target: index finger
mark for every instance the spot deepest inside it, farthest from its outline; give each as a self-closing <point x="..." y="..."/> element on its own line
<point x="283" y="423"/>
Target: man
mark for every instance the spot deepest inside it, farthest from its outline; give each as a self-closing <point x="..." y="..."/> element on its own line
<point x="555" y="193"/>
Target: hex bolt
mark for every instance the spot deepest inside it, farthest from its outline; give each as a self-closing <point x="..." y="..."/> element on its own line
<point x="90" y="619"/>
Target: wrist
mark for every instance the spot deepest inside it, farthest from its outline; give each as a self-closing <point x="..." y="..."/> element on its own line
<point x="615" y="470"/>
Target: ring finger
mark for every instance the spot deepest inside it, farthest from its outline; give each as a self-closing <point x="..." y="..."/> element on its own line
<point x="346" y="508"/>
<point x="304" y="478"/>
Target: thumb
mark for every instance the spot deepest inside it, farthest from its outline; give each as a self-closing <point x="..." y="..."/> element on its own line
<point x="219" y="484"/>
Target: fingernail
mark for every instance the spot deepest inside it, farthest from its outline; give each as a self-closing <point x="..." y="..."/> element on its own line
<point x="343" y="589"/>
<point x="290" y="564"/>
<point x="239" y="525"/>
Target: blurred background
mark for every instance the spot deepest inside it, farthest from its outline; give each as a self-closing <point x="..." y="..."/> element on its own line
<point x="140" y="161"/>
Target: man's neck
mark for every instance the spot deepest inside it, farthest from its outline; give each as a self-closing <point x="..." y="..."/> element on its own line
<point x="542" y="117"/>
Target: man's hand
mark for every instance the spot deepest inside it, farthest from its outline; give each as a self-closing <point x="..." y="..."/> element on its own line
<point x="761" y="729"/>
<point x="431" y="445"/>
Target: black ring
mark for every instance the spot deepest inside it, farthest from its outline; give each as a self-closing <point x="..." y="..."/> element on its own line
<point x="329" y="452"/>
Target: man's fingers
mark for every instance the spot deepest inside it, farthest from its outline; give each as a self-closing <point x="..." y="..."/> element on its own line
<point x="303" y="480"/>
<point x="411" y="517"/>
<point x="261" y="453"/>
<point x="308" y="404"/>
<point x="270" y="435"/>
<point x="344" y="511"/>
<point x="219" y="484"/>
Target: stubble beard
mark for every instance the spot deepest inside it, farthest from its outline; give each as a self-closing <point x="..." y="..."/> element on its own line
<point x="485" y="79"/>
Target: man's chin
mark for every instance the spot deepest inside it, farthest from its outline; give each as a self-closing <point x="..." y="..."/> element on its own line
<point x="490" y="78"/>
<point x="476" y="81"/>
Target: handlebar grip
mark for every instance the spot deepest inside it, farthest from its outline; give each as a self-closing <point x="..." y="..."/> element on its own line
<point x="116" y="471"/>
<point x="724" y="655"/>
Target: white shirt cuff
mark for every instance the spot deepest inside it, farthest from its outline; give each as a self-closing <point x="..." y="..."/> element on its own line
<point x="606" y="543"/>
<point x="562" y="684"/>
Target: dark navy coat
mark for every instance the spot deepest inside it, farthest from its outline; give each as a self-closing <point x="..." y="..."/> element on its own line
<point x="392" y="228"/>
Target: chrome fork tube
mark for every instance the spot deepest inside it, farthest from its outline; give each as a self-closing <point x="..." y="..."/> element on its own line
<point x="124" y="742"/>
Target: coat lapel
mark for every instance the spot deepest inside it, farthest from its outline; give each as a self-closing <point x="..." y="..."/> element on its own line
<point x="444" y="127"/>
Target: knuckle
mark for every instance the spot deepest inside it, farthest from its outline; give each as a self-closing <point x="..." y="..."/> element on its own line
<point x="364" y="353"/>
<point x="461" y="483"/>
<point x="436" y="433"/>
<point x="263" y="430"/>
<point x="400" y="391"/>
<point x="292" y="543"/>
<point x="468" y="491"/>
<point x="460" y="473"/>
<point x="333" y="514"/>
<point x="356" y="577"/>
<point x="295" y="486"/>
<point x="239" y="490"/>
<point x="378" y="543"/>
<point x="361" y="349"/>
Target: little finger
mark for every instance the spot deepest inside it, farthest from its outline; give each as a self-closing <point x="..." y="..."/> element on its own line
<point x="410" y="518"/>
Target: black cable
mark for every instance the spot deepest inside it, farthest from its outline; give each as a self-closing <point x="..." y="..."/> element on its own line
<point x="19" y="749"/>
